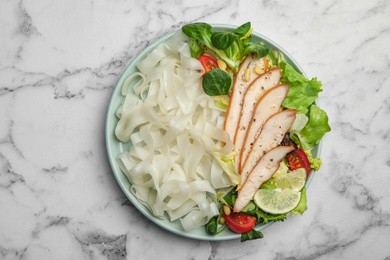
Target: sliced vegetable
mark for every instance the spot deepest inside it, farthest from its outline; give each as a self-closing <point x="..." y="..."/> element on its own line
<point x="298" y="159"/>
<point x="240" y="223"/>
<point x="263" y="171"/>
<point x="208" y="63"/>
<point x="277" y="201"/>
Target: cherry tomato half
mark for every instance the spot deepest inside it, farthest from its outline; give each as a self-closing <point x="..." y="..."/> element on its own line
<point x="298" y="159"/>
<point x="240" y="223"/>
<point x="208" y="63"/>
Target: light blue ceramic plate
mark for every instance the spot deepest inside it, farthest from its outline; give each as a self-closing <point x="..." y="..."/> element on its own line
<point x="115" y="147"/>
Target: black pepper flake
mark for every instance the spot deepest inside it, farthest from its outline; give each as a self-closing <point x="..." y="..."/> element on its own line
<point x="271" y="160"/>
<point x="254" y="119"/>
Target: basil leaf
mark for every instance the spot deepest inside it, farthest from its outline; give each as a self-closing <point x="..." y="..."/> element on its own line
<point x="223" y="40"/>
<point x="261" y="50"/>
<point x="199" y="31"/>
<point x="231" y="199"/>
<point x="196" y="50"/>
<point x="251" y="235"/>
<point x="217" y="82"/>
<point x="250" y="207"/>
<point x="231" y="47"/>
<point x="212" y="226"/>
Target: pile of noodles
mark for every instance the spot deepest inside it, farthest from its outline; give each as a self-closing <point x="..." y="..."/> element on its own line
<point x="177" y="136"/>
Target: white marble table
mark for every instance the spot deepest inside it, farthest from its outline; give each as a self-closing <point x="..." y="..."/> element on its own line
<point x="59" y="63"/>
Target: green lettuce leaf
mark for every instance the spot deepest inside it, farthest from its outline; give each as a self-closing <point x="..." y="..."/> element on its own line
<point x="302" y="205"/>
<point x="221" y="102"/>
<point x="227" y="164"/>
<point x="315" y="128"/>
<point x="315" y="163"/>
<point x="302" y="92"/>
<point x="196" y="50"/>
<point x="232" y="46"/>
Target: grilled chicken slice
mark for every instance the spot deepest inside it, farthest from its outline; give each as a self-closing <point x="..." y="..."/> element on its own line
<point x="268" y="105"/>
<point x="254" y="92"/>
<point x="263" y="171"/>
<point x="241" y="83"/>
<point x="270" y="136"/>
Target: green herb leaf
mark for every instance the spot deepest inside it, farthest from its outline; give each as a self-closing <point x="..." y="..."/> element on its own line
<point x="196" y="50"/>
<point x="217" y="82"/>
<point x="232" y="47"/>
<point x="261" y="50"/>
<point x="222" y="40"/>
<point x="250" y="207"/>
<point x="251" y="235"/>
<point x="212" y="226"/>
<point x="199" y="31"/>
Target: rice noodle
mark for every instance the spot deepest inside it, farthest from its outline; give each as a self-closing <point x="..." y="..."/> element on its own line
<point x="175" y="131"/>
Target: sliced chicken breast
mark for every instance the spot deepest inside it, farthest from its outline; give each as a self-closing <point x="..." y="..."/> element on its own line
<point x="245" y="76"/>
<point x="255" y="91"/>
<point x="263" y="171"/>
<point x="271" y="135"/>
<point x="268" y="105"/>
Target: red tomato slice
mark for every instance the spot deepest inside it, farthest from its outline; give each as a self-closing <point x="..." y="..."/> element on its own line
<point x="208" y="63"/>
<point x="298" y="159"/>
<point x="240" y="223"/>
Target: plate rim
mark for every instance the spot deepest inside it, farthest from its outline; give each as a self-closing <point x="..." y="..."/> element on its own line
<point x="111" y="113"/>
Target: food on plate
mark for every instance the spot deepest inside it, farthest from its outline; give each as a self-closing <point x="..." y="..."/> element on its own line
<point x="242" y="81"/>
<point x="268" y="104"/>
<point x="271" y="135"/>
<point x="252" y="95"/>
<point x="221" y="130"/>
<point x="262" y="172"/>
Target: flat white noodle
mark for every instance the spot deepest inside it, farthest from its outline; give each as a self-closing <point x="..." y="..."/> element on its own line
<point x="174" y="129"/>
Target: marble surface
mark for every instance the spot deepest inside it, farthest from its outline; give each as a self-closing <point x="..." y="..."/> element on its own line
<point x="59" y="63"/>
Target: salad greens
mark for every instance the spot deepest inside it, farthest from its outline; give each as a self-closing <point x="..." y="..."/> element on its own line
<point x="232" y="47"/>
<point x="196" y="50"/>
<point x="302" y="94"/>
<point x="217" y="82"/>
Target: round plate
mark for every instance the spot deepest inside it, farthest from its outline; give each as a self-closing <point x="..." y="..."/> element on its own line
<point x="115" y="147"/>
